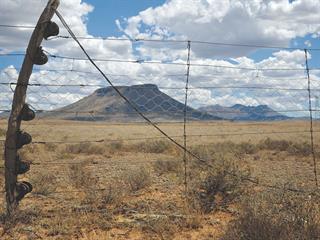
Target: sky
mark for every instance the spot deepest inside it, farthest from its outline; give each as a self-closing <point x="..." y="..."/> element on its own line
<point x="246" y="23"/>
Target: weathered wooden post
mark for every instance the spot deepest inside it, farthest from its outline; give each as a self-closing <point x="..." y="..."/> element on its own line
<point x="15" y="139"/>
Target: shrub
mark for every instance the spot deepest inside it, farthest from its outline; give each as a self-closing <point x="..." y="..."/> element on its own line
<point x="300" y="149"/>
<point x="85" y="148"/>
<point x="217" y="186"/>
<point x="159" y="146"/>
<point x="80" y="177"/>
<point x="115" y="146"/>
<point x="44" y="183"/>
<point x="113" y="194"/>
<point x="277" y="215"/>
<point x="138" y="179"/>
<point x="22" y="217"/>
<point x="247" y="148"/>
<point x="166" y="166"/>
<point x="270" y="144"/>
<point x="51" y="147"/>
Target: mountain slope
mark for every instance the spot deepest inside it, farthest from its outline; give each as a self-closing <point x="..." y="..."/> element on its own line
<point x="244" y="113"/>
<point x="106" y="104"/>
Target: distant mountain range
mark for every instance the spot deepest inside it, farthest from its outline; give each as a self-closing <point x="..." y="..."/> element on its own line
<point x="105" y="104"/>
<point x="244" y="113"/>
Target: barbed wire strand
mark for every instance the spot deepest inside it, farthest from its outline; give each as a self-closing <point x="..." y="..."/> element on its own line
<point x="164" y="40"/>
<point x="143" y="61"/>
<point x="186" y="41"/>
<point x="165" y="87"/>
<point x="231" y="133"/>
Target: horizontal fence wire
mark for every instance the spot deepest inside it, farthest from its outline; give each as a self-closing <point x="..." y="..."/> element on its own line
<point x="164" y="87"/>
<point x="144" y="61"/>
<point x="171" y="112"/>
<point x="232" y="133"/>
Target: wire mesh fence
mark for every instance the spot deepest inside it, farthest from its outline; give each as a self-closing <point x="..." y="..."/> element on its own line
<point x="83" y="121"/>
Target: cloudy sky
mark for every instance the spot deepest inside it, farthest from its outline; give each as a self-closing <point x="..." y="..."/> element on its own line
<point x="227" y="53"/>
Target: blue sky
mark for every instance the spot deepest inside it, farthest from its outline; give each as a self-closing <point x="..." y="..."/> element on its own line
<point x="101" y="22"/>
<point x="102" y="19"/>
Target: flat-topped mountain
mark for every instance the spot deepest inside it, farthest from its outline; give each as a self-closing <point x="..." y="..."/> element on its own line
<point x="106" y="104"/>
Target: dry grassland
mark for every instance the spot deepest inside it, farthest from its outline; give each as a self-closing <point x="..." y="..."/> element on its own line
<point x="129" y="187"/>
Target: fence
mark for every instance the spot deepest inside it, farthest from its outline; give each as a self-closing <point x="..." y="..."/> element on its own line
<point x="294" y="89"/>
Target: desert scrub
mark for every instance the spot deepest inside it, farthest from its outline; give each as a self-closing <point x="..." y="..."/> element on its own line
<point x="22" y="218"/>
<point x="115" y="146"/>
<point x="293" y="148"/>
<point x="80" y="176"/>
<point x="167" y="166"/>
<point x="137" y="179"/>
<point x="85" y="148"/>
<point x="44" y="183"/>
<point x="247" y="148"/>
<point x="51" y="147"/>
<point x="275" y="145"/>
<point x="300" y="149"/>
<point x="159" y="146"/>
<point x="227" y="148"/>
<point x="277" y="215"/>
<point x="113" y="193"/>
<point x="83" y="179"/>
<point x="217" y="186"/>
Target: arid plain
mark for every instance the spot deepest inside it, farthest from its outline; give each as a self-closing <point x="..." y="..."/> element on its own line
<point x="126" y="181"/>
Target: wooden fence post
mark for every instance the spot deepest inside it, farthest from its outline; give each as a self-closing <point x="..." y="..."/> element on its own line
<point x="18" y="103"/>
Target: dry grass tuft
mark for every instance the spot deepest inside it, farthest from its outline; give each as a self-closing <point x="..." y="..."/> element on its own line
<point x="216" y="186"/>
<point x="277" y="215"/>
<point x="85" y="148"/>
<point x="167" y="166"/>
<point x="113" y="194"/>
<point x="44" y="183"/>
<point x="138" y="179"/>
<point x="20" y="218"/>
<point x="293" y="148"/>
<point x="159" y="146"/>
<point x="80" y="176"/>
<point x="115" y="146"/>
<point x="274" y="145"/>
